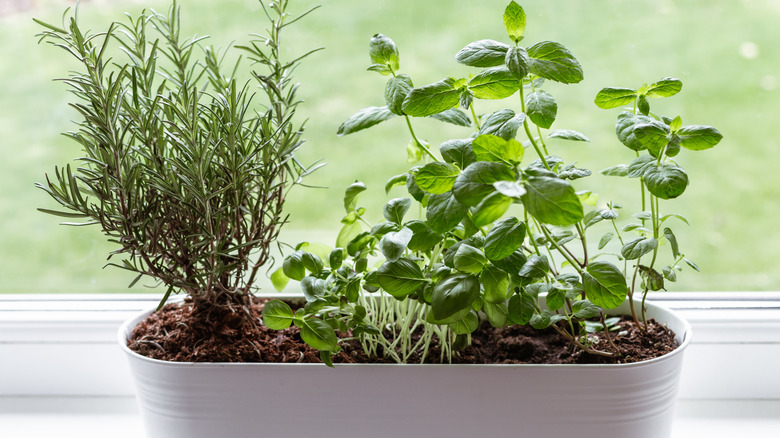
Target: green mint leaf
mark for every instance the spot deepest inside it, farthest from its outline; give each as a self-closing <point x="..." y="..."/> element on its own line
<point x="293" y="266"/>
<point x="604" y="285"/>
<point x="553" y="61"/>
<point x="670" y="237"/>
<point x="605" y="239"/>
<point x="514" y="21"/>
<point x="383" y="51"/>
<point x="279" y="280"/>
<point x="666" y="181"/>
<point x="483" y="53"/>
<point x="494" y="83"/>
<point x="350" y="195"/>
<point x="434" y="98"/>
<point x="493" y="148"/>
<point x="395" y="209"/>
<point x="318" y="334"/>
<point x="496" y="285"/>
<point x="552" y="201"/>
<point x="584" y="309"/>
<point x="490" y="209"/>
<point x="458" y="152"/>
<point x="699" y="137"/>
<point x="541" y="108"/>
<point x="521" y="309"/>
<point x="397" y="180"/>
<point x="504" y="238"/>
<point x="618" y="170"/>
<point x="517" y="62"/>
<point x="423" y="238"/>
<point x="535" y="267"/>
<point x="396" y="90"/>
<point x="512" y="189"/>
<point x="665" y="87"/>
<point x="437" y="177"/>
<point x="393" y="244"/>
<point x="497" y="313"/>
<point x="466" y="325"/>
<point x="638" y="247"/>
<point x="453" y="116"/>
<point x="476" y="181"/>
<point x="469" y="259"/>
<point x="652" y="136"/>
<point x="568" y="134"/>
<point x="502" y="123"/>
<point x="365" y="118"/>
<point x="624" y="128"/>
<point x="614" y="97"/>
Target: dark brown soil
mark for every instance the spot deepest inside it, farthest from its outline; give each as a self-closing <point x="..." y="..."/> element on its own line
<point x="178" y="334"/>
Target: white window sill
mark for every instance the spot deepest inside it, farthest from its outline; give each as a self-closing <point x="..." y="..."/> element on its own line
<point x="63" y="374"/>
<point x="117" y="417"/>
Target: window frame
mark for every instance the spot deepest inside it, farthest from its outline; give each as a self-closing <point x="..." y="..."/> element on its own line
<point x="66" y="344"/>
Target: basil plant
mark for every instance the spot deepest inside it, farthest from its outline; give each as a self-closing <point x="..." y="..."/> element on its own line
<point x="495" y="227"/>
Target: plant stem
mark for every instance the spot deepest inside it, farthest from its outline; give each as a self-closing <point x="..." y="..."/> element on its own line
<point x="417" y="141"/>
<point x="529" y="135"/>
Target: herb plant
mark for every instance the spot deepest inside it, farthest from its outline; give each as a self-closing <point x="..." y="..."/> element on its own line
<point x="186" y="164"/>
<point x="504" y="225"/>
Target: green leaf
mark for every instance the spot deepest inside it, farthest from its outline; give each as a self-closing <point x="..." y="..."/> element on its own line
<point x="642" y="104"/>
<point x="604" y="285"/>
<point x="512" y="264"/>
<point x="502" y="123"/>
<point x="494" y="83"/>
<point x="496" y="284"/>
<point x="504" y="238"/>
<point x="692" y="265"/>
<point x="397" y="180"/>
<point x="383" y="51"/>
<point x="476" y="181"/>
<point x="437" y="177"/>
<point x="638" y="247"/>
<point x="555" y="299"/>
<point x="666" y="181"/>
<point x="521" y="309"/>
<point x="535" y="267"/>
<point x="672" y="241"/>
<point x="444" y="212"/>
<point x="497" y="313"/>
<point x="458" y="152"/>
<point x="584" y="309"/>
<point x="699" y="137"/>
<point x="517" y="62"/>
<point x="393" y="244"/>
<point x="348" y="232"/>
<point x="400" y="278"/>
<point x="396" y="208"/>
<point x="493" y="148"/>
<point x="277" y="315"/>
<point x="614" y="97"/>
<point x="453" y="116"/>
<point x="453" y="294"/>
<point x="639" y="166"/>
<point x="541" y="320"/>
<point x="619" y="170"/>
<point x="336" y="258"/>
<point x="350" y="195"/>
<point x="567" y="134"/>
<point x="653" y="280"/>
<point x="312" y="263"/>
<point x="396" y="90"/>
<point x="514" y="21"/>
<point x="365" y="118"/>
<point x="553" y="61"/>
<point x="605" y="239"/>
<point x="318" y="334"/>
<point x="541" y="108"/>
<point x="313" y="288"/>
<point x="423" y="238"/>
<point x="552" y="201"/>
<point x="468" y="324"/>
<point x="624" y="128"/>
<point x="279" y="280"/>
<point x="652" y="136"/>
<point x="490" y="209"/>
<point x="665" y="87"/>
<point x="483" y="53"/>
<point x="469" y="259"/>
<point x="432" y="99"/>
<point x="293" y="266"/>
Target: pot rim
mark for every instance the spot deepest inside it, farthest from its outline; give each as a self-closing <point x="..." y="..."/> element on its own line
<point x="686" y="334"/>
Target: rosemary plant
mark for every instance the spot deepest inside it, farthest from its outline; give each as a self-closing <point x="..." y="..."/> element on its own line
<point x="186" y="164"/>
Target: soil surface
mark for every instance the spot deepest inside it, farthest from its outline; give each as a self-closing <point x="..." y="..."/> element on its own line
<point x="178" y="333"/>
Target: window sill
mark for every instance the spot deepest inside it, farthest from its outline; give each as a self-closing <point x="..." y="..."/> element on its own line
<point x="117" y="417"/>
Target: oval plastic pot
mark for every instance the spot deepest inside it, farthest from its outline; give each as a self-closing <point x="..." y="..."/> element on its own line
<point x="194" y="400"/>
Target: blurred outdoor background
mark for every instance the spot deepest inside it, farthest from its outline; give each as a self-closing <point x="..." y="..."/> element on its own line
<point x="725" y="52"/>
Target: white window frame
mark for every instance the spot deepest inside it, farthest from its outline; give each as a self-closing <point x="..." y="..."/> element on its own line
<point x="66" y="345"/>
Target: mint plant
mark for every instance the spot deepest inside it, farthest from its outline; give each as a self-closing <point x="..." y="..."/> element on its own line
<point x="504" y="225"/>
<point x="185" y="162"/>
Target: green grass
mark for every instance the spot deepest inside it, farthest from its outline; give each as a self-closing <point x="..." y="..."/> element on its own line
<point x="732" y="203"/>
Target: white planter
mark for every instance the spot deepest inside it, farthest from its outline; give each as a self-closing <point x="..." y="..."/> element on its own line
<point x="207" y="400"/>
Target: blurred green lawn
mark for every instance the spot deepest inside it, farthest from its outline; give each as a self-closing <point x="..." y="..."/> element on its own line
<point x="726" y="54"/>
